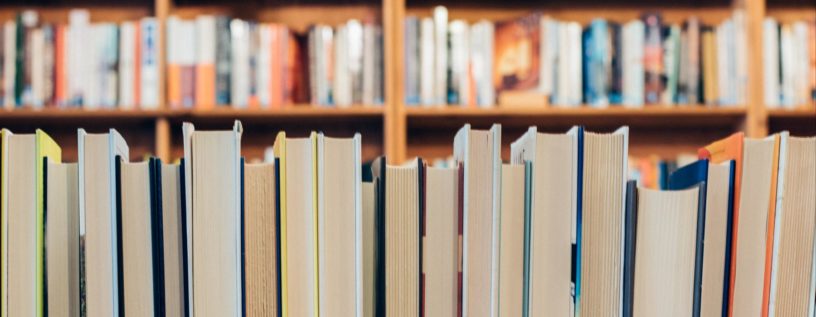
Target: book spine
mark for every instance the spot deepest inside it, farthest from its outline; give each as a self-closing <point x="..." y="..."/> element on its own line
<point x="205" y="67"/>
<point x="693" y="85"/>
<point x="440" y="19"/>
<point x="426" y="62"/>
<point x="615" y="55"/>
<point x="653" y="59"/>
<point x="222" y="61"/>
<point x="411" y="60"/>
<point x="174" y="50"/>
<point x="149" y="65"/>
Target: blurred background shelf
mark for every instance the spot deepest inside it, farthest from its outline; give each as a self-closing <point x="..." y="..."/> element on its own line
<point x="400" y="131"/>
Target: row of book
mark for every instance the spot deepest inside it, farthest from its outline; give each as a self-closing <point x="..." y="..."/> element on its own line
<point x="557" y="230"/>
<point x="79" y="64"/>
<point x="789" y="63"/>
<point x="211" y="60"/>
<point x="215" y="60"/>
<point x="538" y="60"/>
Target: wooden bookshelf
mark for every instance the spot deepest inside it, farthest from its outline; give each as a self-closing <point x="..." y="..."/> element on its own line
<point x="400" y="131"/>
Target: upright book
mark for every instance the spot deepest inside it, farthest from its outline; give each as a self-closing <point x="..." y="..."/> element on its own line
<point x="261" y="236"/>
<point x="62" y="239"/>
<point x="599" y="262"/>
<point x="296" y="161"/>
<point x="212" y="172"/>
<point x="553" y="203"/>
<point x="479" y="152"/>
<point x="173" y="226"/>
<point x="511" y="257"/>
<point x="98" y="154"/>
<point x="440" y="241"/>
<point x="27" y="155"/>
<point x="339" y="218"/>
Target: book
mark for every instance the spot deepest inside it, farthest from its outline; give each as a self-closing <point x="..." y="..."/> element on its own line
<point x="600" y="221"/>
<point x="553" y="160"/>
<point x="339" y="231"/>
<point x="666" y="230"/>
<point x="99" y="224"/>
<point x="261" y="236"/>
<point x="629" y="247"/>
<point x="710" y="67"/>
<point x="655" y="75"/>
<point x="400" y="209"/>
<point x="632" y="50"/>
<point x="440" y="47"/>
<point x="729" y="149"/>
<point x="516" y="53"/>
<point x="369" y="234"/>
<point x="213" y="212"/>
<point x="4" y="245"/>
<point x="205" y="73"/>
<point x="440" y="242"/>
<point x="427" y="61"/>
<point x="139" y="208"/>
<point x="791" y="291"/>
<point x="173" y="237"/>
<point x="62" y="239"/>
<point x="24" y="192"/>
<point x="689" y="176"/>
<point x="512" y="239"/>
<point x="149" y="68"/>
<point x="296" y="160"/>
<point x="756" y="216"/>
<point x="479" y="153"/>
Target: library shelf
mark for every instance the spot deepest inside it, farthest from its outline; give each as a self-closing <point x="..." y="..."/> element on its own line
<point x="799" y="121"/>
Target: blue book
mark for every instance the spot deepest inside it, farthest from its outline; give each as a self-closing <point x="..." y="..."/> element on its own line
<point x="689" y="176"/>
<point x="576" y="247"/>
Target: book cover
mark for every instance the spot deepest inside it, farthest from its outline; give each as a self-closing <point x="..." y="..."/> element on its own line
<point x="653" y="58"/>
<point x="516" y="53"/>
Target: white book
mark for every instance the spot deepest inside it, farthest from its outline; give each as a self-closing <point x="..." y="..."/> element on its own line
<point x="98" y="154"/>
<point x="342" y="84"/>
<point x="548" y="50"/>
<point x="239" y="78"/>
<point x="575" y="86"/>
<point x="553" y="207"/>
<point x="802" y="58"/>
<point x="91" y="98"/>
<point x="479" y="151"/>
<point x="741" y="58"/>
<point x="369" y="73"/>
<point x="263" y="59"/>
<point x="770" y="52"/>
<point x="481" y="57"/>
<point x="212" y="168"/>
<point x="354" y="56"/>
<point x="127" y="64"/>
<point x="788" y="63"/>
<point x="79" y="62"/>
<point x="722" y="63"/>
<point x="458" y="32"/>
<point x="4" y="261"/>
<point x="9" y="69"/>
<point x="37" y="68"/>
<point x="340" y="242"/>
<point x="149" y="68"/>
<point x="440" y="16"/>
<point x="426" y="62"/>
<point x="632" y="51"/>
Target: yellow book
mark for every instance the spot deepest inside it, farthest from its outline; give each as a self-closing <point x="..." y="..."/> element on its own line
<point x="46" y="147"/>
<point x="4" y="134"/>
<point x="298" y="212"/>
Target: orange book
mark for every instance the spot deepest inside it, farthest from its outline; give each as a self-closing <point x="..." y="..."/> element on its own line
<point x="137" y="65"/>
<point x="769" y="240"/>
<point x="174" y="84"/>
<point x="205" y="85"/>
<point x="730" y="148"/>
<point x="59" y="65"/>
<point x="276" y="65"/>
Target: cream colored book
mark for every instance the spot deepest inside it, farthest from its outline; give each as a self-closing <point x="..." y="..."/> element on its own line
<point x="757" y="191"/>
<point x="479" y="151"/>
<point x="791" y="293"/>
<point x="440" y="245"/>
<point x="511" y="257"/>
<point x="600" y="280"/>
<point x="98" y="154"/>
<point x="368" y="249"/>
<point x="136" y="210"/>
<point x="4" y="136"/>
<point x="62" y="240"/>
<point x="718" y="193"/>
<point x="213" y="165"/>
<point x="26" y="221"/>
<point x="260" y="236"/>
<point x="172" y="236"/>
<point x="553" y="158"/>
<point x="298" y="217"/>
<point x="339" y="218"/>
<point x="664" y="259"/>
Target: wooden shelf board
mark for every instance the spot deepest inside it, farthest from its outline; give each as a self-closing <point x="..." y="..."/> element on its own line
<point x="295" y="111"/>
<point x="55" y="114"/>
<point x="98" y="13"/>
<point x="799" y="112"/>
<point x="666" y="117"/>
